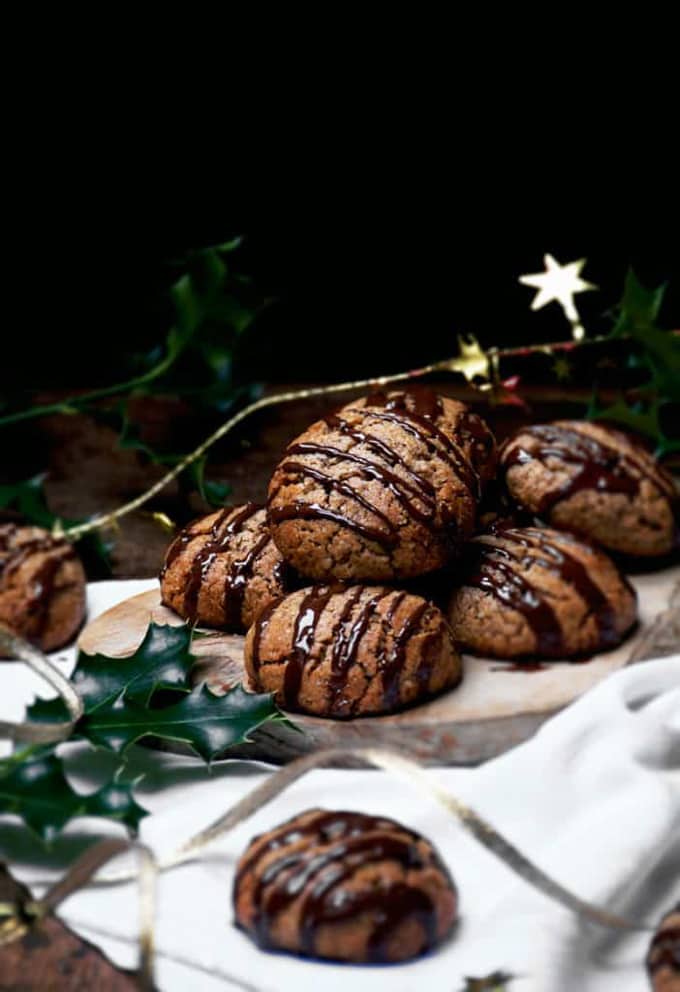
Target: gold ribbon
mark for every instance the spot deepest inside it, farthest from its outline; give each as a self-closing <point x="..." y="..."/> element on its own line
<point x="39" y="733"/>
<point x="414" y="774"/>
<point x="480" y="368"/>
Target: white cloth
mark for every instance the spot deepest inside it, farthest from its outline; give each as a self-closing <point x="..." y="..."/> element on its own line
<point x="593" y="799"/>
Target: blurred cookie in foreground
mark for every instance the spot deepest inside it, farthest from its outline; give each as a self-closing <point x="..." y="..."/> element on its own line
<point x="663" y="958"/>
<point x="595" y="481"/>
<point x="42" y="586"/>
<point x="346" y="887"/>
<point x="341" y="652"/>
<point x="222" y="569"/>
<point x="387" y="487"/>
<point x="538" y="592"/>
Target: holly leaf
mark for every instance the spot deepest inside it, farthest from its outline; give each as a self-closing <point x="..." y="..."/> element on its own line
<point x="148" y="695"/>
<point x="28" y="498"/>
<point x="37" y="790"/>
<point x="162" y="661"/>
<point x="213" y="492"/>
<point x="207" y="723"/>
<point x="638" y="308"/>
<point x="643" y="420"/>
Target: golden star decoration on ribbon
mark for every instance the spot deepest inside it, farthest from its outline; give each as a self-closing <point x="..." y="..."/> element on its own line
<point x="560" y="283"/>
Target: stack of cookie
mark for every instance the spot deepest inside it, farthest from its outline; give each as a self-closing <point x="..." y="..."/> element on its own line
<point x="364" y="503"/>
<point x="388" y="489"/>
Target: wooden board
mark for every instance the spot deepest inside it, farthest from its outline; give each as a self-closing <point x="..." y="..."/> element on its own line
<point x="494" y="708"/>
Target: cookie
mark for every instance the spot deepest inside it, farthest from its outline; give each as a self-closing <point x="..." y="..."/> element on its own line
<point x="385" y="488"/>
<point x="42" y="586"/>
<point x="344" y="886"/>
<point x="595" y="481"/>
<point x="663" y="959"/>
<point x="222" y="569"/>
<point x="529" y="591"/>
<point x="348" y="651"/>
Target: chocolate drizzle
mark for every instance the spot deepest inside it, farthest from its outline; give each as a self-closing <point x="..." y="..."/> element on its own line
<point x="498" y="570"/>
<point x="416" y="416"/>
<point x="311" y="608"/>
<point x="327" y="852"/>
<point x="399" y="487"/>
<point x="664" y="951"/>
<point x="344" y="642"/>
<point x="416" y="413"/>
<point x="339" y="485"/>
<point x="226" y="525"/>
<point x="299" y="510"/>
<point x="241" y="569"/>
<point x="346" y="638"/>
<point x="602" y="467"/>
<point x="14" y="554"/>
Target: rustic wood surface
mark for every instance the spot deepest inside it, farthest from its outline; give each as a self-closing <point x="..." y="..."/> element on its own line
<point x="50" y="958"/>
<point x="495" y="707"/>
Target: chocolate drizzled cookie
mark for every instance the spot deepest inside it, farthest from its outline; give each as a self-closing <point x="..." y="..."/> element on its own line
<point x="42" y="586"/>
<point x="386" y="487"/>
<point x="222" y="569"/>
<point x="348" y="651"/>
<point x="344" y="886"/>
<point x="663" y="959"/>
<point x="595" y="481"/>
<point x="529" y="591"/>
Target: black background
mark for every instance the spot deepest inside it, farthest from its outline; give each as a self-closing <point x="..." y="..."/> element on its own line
<point x="370" y="275"/>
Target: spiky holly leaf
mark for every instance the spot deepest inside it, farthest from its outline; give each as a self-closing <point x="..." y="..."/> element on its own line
<point x="639" y="306"/>
<point x="162" y="661"/>
<point x="207" y="723"/>
<point x="37" y="790"/>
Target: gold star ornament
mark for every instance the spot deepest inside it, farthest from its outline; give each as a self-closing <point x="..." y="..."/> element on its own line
<point x="560" y="283"/>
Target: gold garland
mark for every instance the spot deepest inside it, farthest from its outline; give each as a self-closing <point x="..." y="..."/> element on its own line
<point x="478" y="367"/>
<point x="13" y="646"/>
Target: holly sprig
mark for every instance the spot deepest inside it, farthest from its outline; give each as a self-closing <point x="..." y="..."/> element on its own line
<point x="214" y="305"/>
<point x="654" y="358"/>
<point x="27" y="498"/>
<point x="146" y="696"/>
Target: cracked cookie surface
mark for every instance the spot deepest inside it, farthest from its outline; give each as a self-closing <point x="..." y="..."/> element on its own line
<point x="344" y="886"/>
<point x="222" y="569"/>
<point x="595" y="481"/>
<point x="348" y="651"/>
<point x="42" y="586"/>
<point x="387" y="487"/>
<point x="539" y="592"/>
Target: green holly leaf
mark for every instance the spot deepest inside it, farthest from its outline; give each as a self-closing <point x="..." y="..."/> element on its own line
<point x="497" y="981"/>
<point x="37" y="790"/>
<point x="47" y="711"/>
<point x="642" y="419"/>
<point x="638" y="308"/>
<point x="212" y="491"/>
<point x="207" y="723"/>
<point x="28" y="498"/>
<point x="162" y="661"/>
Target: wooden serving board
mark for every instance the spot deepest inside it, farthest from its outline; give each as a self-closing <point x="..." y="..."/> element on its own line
<point x="495" y="707"/>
